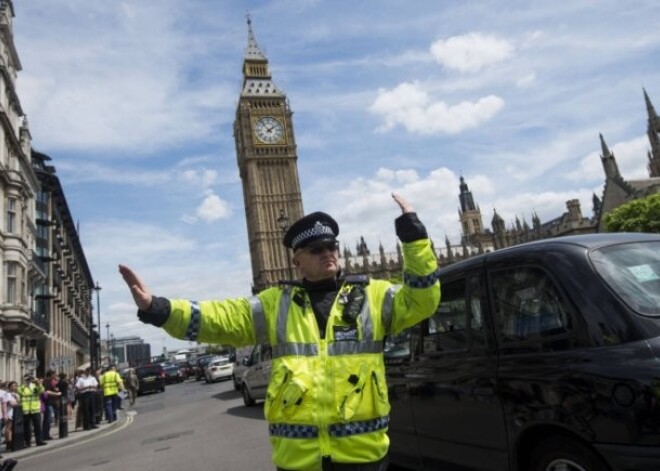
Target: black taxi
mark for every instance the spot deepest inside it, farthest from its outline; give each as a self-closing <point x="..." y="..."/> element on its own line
<point x="541" y="357"/>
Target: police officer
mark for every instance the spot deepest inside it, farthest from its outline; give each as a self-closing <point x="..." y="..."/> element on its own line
<point x="111" y="383"/>
<point x="326" y="403"/>
<point x="29" y="394"/>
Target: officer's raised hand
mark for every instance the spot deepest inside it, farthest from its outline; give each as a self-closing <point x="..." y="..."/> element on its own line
<point x="151" y="309"/>
<point x="403" y="204"/>
<point x="139" y="290"/>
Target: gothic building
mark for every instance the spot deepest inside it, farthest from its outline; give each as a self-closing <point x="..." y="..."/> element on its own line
<point x="617" y="189"/>
<point x="267" y="162"/>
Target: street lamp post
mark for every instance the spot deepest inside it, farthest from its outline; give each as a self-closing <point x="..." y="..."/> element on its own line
<point x="97" y="288"/>
<point x="107" y="337"/>
<point x="112" y="348"/>
<point x="92" y="344"/>
<point x="283" y="223"/>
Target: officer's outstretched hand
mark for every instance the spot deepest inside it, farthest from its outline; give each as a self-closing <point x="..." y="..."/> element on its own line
<point x="403" y="204"/>
<point x="139" y="290"/>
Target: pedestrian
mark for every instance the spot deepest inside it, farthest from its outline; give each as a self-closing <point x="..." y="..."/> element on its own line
<point x="52" y="396"/>
<point x="11" y="401"/>
<point x="328" y="405"/>
<point x="29" y="394"/>
<point x="132" y="385"/>
<point x="77" y="402"/>
<point x="111" y="383"/>
<point x="87" y="387"/>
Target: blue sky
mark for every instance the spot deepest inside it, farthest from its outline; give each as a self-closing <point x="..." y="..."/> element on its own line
<point x="134" y="102"/>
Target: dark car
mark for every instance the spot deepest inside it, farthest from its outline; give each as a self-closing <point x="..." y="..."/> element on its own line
<point x="151" y="378"/>
<point x="200" y="366"/>
<point x="541" y="357"/>
<point x="173" y="374"/>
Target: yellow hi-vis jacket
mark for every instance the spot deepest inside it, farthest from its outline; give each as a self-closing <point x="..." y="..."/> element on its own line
<point x="111" y="383"/>
<point x="30" y="402"/>
<point x="326" y="397"/>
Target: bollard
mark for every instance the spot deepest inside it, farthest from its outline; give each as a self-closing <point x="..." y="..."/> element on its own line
<point x="64" y="417"/>
<point x="17" y="429"/>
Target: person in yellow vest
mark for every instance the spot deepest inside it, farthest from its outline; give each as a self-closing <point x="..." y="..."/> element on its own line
<point x="29" y="394"/>
<point x="327" y="401"/>
<point x="111" y="383"/>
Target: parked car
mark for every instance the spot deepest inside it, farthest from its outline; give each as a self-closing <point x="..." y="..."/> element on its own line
<point x="219" y="368"/>
<point x="541" y="357"/>
<point x="186" y="369"/>
<point x="254" y="380"/>
<point x="151" y="378"/>
<point x="173" y="374"/>
<point x="241" y="356"/>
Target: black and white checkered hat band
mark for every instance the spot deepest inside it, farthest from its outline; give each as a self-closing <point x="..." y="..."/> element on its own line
<point x="318" y="230"/>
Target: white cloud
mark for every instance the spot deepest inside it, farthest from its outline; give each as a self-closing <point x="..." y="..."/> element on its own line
<point x="471" y="52"/>
<point x="203" y="178"/>
<point x="410" y="106"/>
<point x="213" y="208"/>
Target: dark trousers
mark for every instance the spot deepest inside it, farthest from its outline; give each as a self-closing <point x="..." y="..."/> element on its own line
<point x="48" y="417"/>
<point x="88" y="409"/>
<point x="29" y="421"/>
<point x="328" y="465"/>
<point x="111" y="404"/>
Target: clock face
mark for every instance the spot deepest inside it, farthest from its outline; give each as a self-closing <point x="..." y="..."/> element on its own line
<point x="269" y="130"/>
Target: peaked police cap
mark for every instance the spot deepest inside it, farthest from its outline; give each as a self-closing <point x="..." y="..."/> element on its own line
<point x="314" y="227"/>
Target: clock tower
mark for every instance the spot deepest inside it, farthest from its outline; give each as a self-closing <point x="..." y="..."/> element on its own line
<point x="267" y="162"/>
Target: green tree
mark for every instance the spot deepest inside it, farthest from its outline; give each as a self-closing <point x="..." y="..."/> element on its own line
<point x="640" y="215"/>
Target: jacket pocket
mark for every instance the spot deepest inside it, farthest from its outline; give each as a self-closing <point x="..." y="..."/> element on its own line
<point x="352" y="400"/>
<point x="287" y="396"/>
<point x="381" y="402"/>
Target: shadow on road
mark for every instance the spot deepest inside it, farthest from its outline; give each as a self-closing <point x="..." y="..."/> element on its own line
<point x="256" y="412"/>
<point x="226" y="395"/>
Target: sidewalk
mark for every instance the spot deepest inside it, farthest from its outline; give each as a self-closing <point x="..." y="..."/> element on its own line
<point x="124" y="417"/>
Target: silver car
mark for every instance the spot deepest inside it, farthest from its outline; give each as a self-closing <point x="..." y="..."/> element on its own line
<point x="254" y="382"/>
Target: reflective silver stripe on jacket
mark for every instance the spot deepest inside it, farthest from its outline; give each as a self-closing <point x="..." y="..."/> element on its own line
<point x="283" y="315"/>
<point x="387" y="309"/>
<point x="259" y="319"/>
<point x="352" y="347"/>
<point x="367" y="321"/>
<point x="195" y="320"/>
<point x="295" y="349"/>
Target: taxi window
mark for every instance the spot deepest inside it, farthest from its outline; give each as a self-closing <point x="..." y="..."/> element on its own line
<point x="527" y="305"/>
<point x="457" y="325"/>
<point x="633" y="272"/>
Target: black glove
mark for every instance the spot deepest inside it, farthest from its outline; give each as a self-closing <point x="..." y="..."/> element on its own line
<point x="158" y="312"/>
<point x="409" y="228"/>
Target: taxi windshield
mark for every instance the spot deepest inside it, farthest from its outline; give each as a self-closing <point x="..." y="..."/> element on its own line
<point x="633" y="272"/>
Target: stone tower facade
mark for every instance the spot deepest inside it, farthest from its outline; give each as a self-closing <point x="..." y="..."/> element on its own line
<point x="267" y="162"/>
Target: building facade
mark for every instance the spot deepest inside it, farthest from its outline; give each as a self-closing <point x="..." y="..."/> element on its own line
<point x="45" y="295"/>
<point x="267" y="162"/>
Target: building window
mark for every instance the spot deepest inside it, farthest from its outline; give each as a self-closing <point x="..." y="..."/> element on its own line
<point x="12" y="282"/>
<point x="11" y="215"/>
